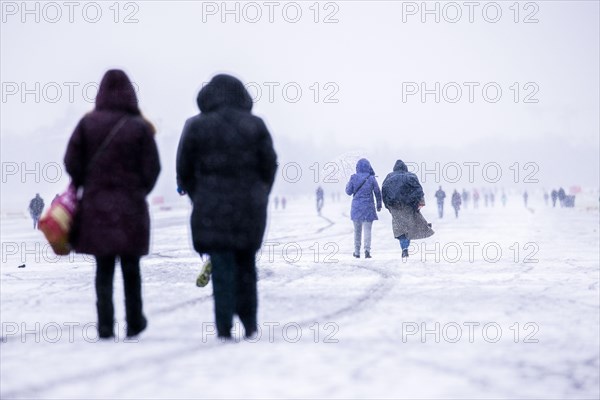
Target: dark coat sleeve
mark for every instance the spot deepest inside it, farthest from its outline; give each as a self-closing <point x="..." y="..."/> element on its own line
<point x="185" y="164"/>
<point x="414" y="191"/>
<point x="350" y="186"/>
<point x="150" y="161"/>
<point x="74" y="158"/>
<point x="267" y="157"/>
<point x="377" y="193"/>
<point x="385" y="192"/>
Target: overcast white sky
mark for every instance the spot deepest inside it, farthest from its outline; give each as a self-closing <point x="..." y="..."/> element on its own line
<point x="367" y="57"/>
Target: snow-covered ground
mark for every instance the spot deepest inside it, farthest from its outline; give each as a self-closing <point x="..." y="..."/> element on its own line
<point x="500" y="303"/>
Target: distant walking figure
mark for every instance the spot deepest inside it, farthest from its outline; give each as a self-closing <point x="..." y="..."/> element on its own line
<point x="554" y="195"/>
<point x="475" y="199"/>
<point x="226" y="163"/>
<point x="403" y="196"/>
<point x="525" y="198"/>
<point x="276" y="201"/>
<point x="456" y="202"/>
<point x="465" y="198"/>
<point x="36" y="206"/>
<point x="440" y="195"/>
<point x="561" y="196"/>
<point x="112" y="155"/>
<point x="362" y="186"/>
<point x="320" y="199"/>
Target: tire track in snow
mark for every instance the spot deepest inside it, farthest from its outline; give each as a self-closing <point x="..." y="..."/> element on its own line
<point x="35" y="391"/>
<point x="368" y="298"/>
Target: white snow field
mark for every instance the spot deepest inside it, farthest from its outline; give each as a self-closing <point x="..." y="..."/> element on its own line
<point x="473" y="323"/>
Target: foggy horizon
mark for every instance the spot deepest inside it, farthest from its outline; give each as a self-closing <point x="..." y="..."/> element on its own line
<point x="354" y="84"/>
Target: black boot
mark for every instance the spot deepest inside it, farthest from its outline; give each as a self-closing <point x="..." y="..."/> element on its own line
<point x="132" y="282"/>
<point x="104" y="287"/>
<point x="405" y="253"/>
<point x="224" y="271"/>
<point x="136" y="328"/>
<point x="367" y="254"/>
<point x="246" y="297"/>
<point x="105" y="321"/>
<point x="356" y="255"/>
<point x="249" y="332"/>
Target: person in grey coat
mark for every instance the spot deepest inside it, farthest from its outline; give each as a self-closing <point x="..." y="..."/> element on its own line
<point x="440" y="195"/>
<point x="361" y="187"/>
<point x="456" y="201"/>
<point x="403" y="196"/>
<point x="36" y="206"/>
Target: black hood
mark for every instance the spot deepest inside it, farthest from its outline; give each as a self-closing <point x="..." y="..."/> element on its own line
<point x="224" y="91"/>
<point x="400" y="166"/>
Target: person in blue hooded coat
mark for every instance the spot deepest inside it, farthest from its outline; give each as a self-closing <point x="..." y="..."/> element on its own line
<point x="403" y="196"/>
<point x="362" y="186"/>
<point x="226" y="164"/>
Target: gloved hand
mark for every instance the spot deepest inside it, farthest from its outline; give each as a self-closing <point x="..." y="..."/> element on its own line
<point x="378" y="209"/>
<point x="181" y="191"/>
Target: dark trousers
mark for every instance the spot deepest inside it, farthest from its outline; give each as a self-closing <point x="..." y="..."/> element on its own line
<point x="234" y="287"/>
<point x="105" y="272"/>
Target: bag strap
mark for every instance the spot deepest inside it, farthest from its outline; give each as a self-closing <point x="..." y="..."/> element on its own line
<point x="106" y="141"/>
<point x="361" y="185"/>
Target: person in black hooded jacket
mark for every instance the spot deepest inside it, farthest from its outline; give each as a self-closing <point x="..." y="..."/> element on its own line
<point x="226" y="164"/>
<point x="403" y="196"/>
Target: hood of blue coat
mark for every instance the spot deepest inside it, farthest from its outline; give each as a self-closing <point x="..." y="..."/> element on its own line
<point x="363" y="166"/>
<point x="400" y="166"/>
<point x="224" y="91"/>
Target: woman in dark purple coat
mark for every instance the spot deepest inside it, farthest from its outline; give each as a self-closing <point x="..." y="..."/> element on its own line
<point x="112" y="157"/>
<point x="362" y="186"/>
